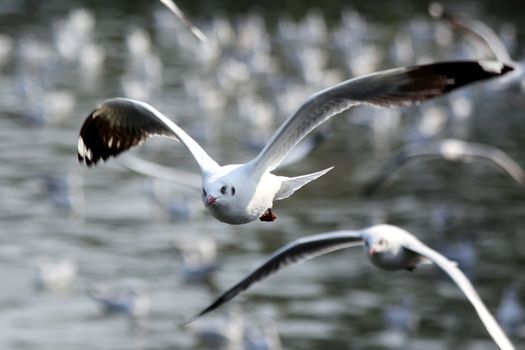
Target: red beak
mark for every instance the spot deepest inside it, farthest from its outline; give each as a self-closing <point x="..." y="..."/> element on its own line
<point x="210" y="200"/>
<point x="371" y="251"/>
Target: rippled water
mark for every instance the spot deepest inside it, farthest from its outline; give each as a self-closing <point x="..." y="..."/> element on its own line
<point x="230" y="95"/>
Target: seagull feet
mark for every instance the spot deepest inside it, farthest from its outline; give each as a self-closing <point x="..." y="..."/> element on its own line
<point x="268" y="216"/>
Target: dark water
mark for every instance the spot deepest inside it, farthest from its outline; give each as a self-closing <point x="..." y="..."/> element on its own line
<point x="57" y="63"/>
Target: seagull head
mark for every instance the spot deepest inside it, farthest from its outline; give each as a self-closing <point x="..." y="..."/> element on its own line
<point x="378" y="240"/>
<point x="376" y="245"/>
<point x="218" y="194"/>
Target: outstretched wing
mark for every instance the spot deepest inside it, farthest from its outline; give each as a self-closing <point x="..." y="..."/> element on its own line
<point x="118" y="124"/>
<point x="396" y="87"/>
<point x="293" y="253"/>
<point x="499" y="158"/>
<point x="466" y="287"/>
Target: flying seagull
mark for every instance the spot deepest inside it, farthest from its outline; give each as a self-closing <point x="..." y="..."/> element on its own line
<point x="452" y="150"/>
<point x="241" y="193"/>
<point x="475" y="28"/>
<point x="388" y="247"/>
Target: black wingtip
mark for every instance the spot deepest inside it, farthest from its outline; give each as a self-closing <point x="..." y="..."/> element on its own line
<point x="448" y="76"/>
<point x="202" y="313"/>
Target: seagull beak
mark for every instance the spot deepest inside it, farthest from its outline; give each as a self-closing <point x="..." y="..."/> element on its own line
<point x="210" y="200"/>
<point x="371" y="251"/>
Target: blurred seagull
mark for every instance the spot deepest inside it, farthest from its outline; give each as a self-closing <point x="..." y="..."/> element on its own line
<point x="55" y="275"/>
<point x="199" y="258"/>
<point x="475" y="28"/>
<point x="511" y="313"/>
<point x="178" y="12"/>
<point x="485" y="38"/>
<point x="452" y="150"/>
<point x="388" y="247"/>
<point x="132" y="301"/>
<point x="241" y="193"/>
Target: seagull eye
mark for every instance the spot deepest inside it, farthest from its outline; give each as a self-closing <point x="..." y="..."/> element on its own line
<point x="224" y="189"/>
<point x="233" y="191"/>
<point x="203" y="192"/>
<point x="381" y="241"/>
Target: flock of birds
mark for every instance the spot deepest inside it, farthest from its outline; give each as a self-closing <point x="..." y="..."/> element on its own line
<point x="242" y="193"/>
<point x="238" y="193"/>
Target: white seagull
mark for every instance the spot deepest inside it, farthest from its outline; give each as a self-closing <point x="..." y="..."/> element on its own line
<point x="388" y="247"/>
<point x="452" y="150"/>
<point x="241" y="193"/>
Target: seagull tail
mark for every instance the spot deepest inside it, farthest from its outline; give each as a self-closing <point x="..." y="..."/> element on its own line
<point x="292" y="184"/>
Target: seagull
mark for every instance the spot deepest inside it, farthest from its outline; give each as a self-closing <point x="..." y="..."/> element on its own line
<point x="511" y="313"/>
<point x="475" y="28"/>
<point x="388" y="247"/>
<point x="241" y="193"/>
<point x="199" y="258"/>
<point x="55" y="275"/>
<point x="133" y="301"/>
<point x="452" y="150"/>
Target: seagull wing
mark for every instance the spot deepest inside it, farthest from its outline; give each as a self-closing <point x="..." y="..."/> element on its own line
<point x="481" y="32"/>
<point x="395" y="87"/>
<point x="448" y="149"/>
<point x="161" y="172"/>
<point x="294" y="252"/>
<point x="466" y="287"/>
<point x="499" y="158"/>
<point x="118" y="124"/>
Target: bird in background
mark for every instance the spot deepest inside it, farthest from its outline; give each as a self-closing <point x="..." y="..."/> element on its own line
<point x="475" y="29"/>
<point x="132" y="300"/>
<point x="387" y="247"/>
<point x="452" y="150"/>
<point x="511" y="313"/>
<point x="241" y="193"/>
<point x="482" y="36"/>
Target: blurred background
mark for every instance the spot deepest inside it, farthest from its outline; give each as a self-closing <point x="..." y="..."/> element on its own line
<point x="105" y="258"/>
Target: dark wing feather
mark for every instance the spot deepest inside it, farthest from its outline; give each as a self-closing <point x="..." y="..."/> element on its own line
<point x="122" y="123"/>
<point x="295" y="252"/>
<point x="118" y="124"/>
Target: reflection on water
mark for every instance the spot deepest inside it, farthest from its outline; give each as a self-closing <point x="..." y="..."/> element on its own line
<point x="112" y="226"/>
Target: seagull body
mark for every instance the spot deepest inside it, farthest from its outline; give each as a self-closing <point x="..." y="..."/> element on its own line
<point x="241" y="193"/>
<point x="452" y="150"/>
<point x="387" y="247"/>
